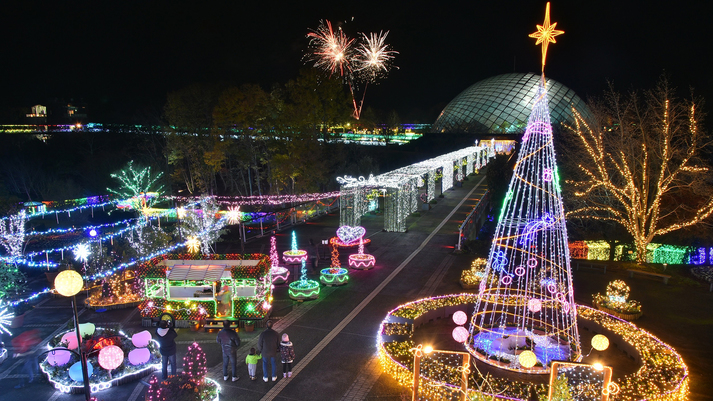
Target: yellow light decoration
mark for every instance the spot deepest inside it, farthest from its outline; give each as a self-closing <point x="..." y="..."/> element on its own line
<point x="600" y="342"/>
<point x="527" y="359"/>
<point x="181" y="212"/>
<point x="68" y="283"/>
<point x="193" y="245"/>
<point x="546" y="34"/>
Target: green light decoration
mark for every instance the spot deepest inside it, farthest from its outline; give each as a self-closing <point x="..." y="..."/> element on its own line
<point x="136" y="185"/>
<point x="303" y="288"/>
<point x="334" y="276"/>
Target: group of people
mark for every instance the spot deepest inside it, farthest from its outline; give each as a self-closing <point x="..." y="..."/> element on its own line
<point x="270" y="345"/>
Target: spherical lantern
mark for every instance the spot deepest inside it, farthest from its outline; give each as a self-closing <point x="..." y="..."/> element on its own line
<point x="460" y="334"/>
<point x="110" y="357"/>
<point x="75" y="371"/>
<point x="141" y="339"/>
<point x="70" y="338"/>
<point x="68" y="283"/>
<point x="600" y="342"/>
<point x="139" y="356"/>
<point x="527" y="359"/>
<point x="58" y="357"/>
<point x="460" y="318"/>
<point x="534" y="305"/>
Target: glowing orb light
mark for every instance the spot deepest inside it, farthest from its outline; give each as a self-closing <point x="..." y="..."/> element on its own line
<point x="86" y="329"/>
<point x="141" y="339"/>
<point x="527" y="359"/>
<point x="428" y="349"/>
<point x="70" y="338"/>
<point x="110" y="357"/>
<point x="600" y="342"/>
<point x="598" y="366"/>
<point x="58" y="357"/>
<point x="92" y="233"/>
<point x="460" y="318"/>
<point x="534" y="305"/>
<point x="139" y="356"/>
<point x="460" y="334"/>
<point x="75" y="371"/>
<point x="68" y="282"/>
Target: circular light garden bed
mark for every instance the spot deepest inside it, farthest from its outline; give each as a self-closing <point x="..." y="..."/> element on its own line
<point x="662" y="375"/>
<point x="301" y="290"/>
<point x="294" y="257"/>
<point x="334" y="276"/>
<point x="63" y="369"/>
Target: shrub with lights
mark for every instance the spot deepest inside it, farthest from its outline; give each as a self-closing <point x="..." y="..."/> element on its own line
<point x="471" y="278"/>
<point x="115" y="291"/>
<point x="114" y="358"/>
<point x="616" y="301"/>
<point x="190" y="385"/>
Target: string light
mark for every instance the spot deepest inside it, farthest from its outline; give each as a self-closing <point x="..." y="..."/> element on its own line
<point x="294" y="255"/>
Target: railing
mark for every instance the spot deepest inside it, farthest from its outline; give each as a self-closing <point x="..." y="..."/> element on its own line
<point x="475" y="219"/>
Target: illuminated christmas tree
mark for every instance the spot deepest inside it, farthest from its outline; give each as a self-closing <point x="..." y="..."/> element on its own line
<point x="194" y="364"/>
<point x="526" y="300"/>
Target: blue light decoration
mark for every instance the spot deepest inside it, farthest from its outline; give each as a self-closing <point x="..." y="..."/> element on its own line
<point x="303" y="288"/>
<point x="529" y="245"/>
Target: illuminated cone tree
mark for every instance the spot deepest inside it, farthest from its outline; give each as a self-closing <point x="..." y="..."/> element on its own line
<point x="526" y="300"/>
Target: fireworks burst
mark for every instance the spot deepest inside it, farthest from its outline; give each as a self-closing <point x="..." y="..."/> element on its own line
<point x="331" y="51"/>
<point x="334" y="51"/>
<point x="374" y="56"/>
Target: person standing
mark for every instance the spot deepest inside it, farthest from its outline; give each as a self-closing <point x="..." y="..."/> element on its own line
<point x="224" y="300"/>
<point x="251" y="361"/>
<point x="287" y="354"/>
<point x="166" y="337"/>
<point x="268" y="344"/>
<point x="229" y="343"/>
<point x="313" y="256"/>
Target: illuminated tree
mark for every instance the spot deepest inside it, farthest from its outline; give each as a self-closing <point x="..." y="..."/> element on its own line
<point x="12" y="233"/>
<point x="136" y="184"/>
<point x="204" y="224"/>
<point x="145" y="240"/>
<point x="12" y="281"/>
<point x="640" y="164"/>
<point x="195" y="364"/>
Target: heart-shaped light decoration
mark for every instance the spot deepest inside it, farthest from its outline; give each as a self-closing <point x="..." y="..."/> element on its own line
<point x="349" y="234"/>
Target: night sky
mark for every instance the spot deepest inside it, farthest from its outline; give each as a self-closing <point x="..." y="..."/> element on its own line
<point x="122" y="57"/>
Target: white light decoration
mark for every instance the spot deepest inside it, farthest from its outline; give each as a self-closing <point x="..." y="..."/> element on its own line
<point x="600" y="342"/>
<point x="5" y="320"/>
<point x="82" y="252"/>
<point x="538" y="300"/>
<point x="12" y="234"/>
<point x="401" y="188"/>
<point x="204" y="224"/>
<point x="68" y="283"/>
<point x="234" y="215"/>
<point x="110" y="357"/>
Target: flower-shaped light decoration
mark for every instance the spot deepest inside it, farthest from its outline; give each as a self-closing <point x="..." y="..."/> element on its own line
<point x="82" y="252"/>
<point x="234" y="215"/>
<point x="193" y="245"/>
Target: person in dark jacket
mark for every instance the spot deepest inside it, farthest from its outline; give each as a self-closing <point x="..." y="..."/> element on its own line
<point x="287" y="354"/>
<point x="229" y="342"/>
<point x="166" y="337"/>
<point x="313" y="256"/>
<point x="269" y="345"/>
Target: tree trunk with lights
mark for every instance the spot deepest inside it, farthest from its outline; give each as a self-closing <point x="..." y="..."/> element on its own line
<point x="640" y="164"/>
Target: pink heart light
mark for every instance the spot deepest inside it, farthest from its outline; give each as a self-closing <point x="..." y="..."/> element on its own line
<point x="349" y="234"/>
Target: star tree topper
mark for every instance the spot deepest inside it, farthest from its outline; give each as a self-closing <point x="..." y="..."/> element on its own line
<point x="546" y="34"/>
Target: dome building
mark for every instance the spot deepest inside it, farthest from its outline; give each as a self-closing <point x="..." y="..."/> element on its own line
<point x="502" y="104"/>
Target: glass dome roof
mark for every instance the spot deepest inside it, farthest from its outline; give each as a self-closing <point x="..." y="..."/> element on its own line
<point x="502" y="104"/>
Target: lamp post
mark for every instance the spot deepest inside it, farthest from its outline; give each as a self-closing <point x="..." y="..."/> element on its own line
<point x="69" y="283"/>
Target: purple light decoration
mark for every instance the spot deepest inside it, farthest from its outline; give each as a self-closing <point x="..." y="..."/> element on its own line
<point x="139" y="356"/>
<point x="547" y="175"/>
<point x="58" y="357"/>
<point x="141" y="339"/>
<point x="534" y="305"/>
